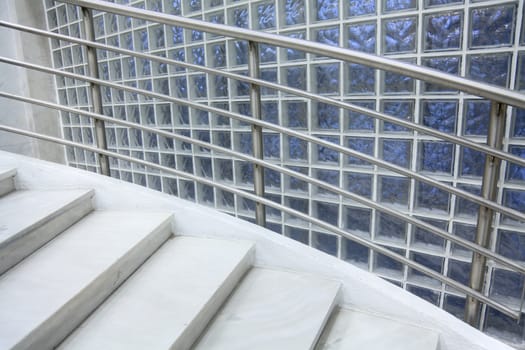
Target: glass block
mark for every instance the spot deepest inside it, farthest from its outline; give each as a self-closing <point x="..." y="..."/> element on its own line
<point x="325" y="242"/>
<point x="362" y="37"/>
<point x="330" y="177"/>
<point x="293" y="54"/>
<point x="270" y="112"/>
<point x="428" y="295"/>
<point x="399" y="5"/>
<point x="327" y="212"/>
<point x="464" y="207"/>
<point x="187" y="190"/>
<point x="401" y="109"/>
<point x="518" y="123"/>
<point x="397" y="84"/>
<point x="197" y="35"/>
<point x="296" y="77"/>
<point x="298" y="204"/>
<point x="194" y="5"/>
<point x="220" y="86"/>
<point x="514" y="199"/>
<point x="169" y="186"/>
<point x="294" y="12"/>
<point x="297" y="149"/>
<point x="327" y="116"/>
<point x="241" y="52"/>
<point x="430" y="261"/>
<point x="197" y="54"/>
<point x="177" y="35"/>
<point x="361" y="7"/>
<point x="472" y="162"/>
<point x="244" y="142"/>
<point x="360" y="184"/>
<point x="443" y="31"/>
<point x="296" y="184"/>
<point x="224" y="169"/>
<point x="327" y="78"/>
<point x="394" y="190"/>
<point x="459" y="271"/>
<point x="239" y="17"/>
<point x="490" y="68"/>
<point x="362" y="145"/>
<point x="360" y="121"/>
<point x="426" y="240"/>
<point x="467" y="232"/>
<point x="499" y="324"/>
<point x="157" y="37"/>
<point x="358" y="220"/>
<point x="510" y="244"/>
<point x="199" y="86"/>
<point x="298" y="234"/>
<point x="431" y="198"/>
<point x="217" y="18"/>
<point x="355" y="253"/>
<point x="389" y="228"/>
<point x="455" y="305"/>
<point x="397" y="152"/>
<point x="506" y="285"/>
<point x="515" y="172"/>
<point x="429" y="3"/>
<point x="400" y="35"/>
<point x="361" y="79"/>
<point x="244" y="173"/>
<point x="492" y="26"/>
<point x="266" y="16"/>
<point x="267" y="53"/>
<point x="295" y="115"/>
<point x="520" y="74"/>
<point x="477" y="114"/>
<point x="270" y="75"/>
<point x="328" y="36"/>
<point x="327" y="9"/>
<point x="271" y="146"/>
<point x="436" y="156"/>
<point x="388" y="266"/>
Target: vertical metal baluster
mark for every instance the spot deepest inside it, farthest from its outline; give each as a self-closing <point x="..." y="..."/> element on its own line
<point x="257" y="134"/>
<point x="489" y="190"/>
<point x="96" y="95"/>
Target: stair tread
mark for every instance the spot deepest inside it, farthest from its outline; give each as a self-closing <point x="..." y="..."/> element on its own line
<point x="39" y="286"/>
<point x="6" y="173"/>
<point x="356" y="330"/>
<point x="272" y="310"/>
<point x="21" y="211"/>
<point x="160" y="300"/>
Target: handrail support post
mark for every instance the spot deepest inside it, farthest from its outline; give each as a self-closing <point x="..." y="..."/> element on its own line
<point x="96" y="95"/>
<point x="257" y="134"/>
<point x="489" y="190"/>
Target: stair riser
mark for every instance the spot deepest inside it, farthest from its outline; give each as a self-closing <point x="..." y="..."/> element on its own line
<point x="14" y="251"/>
<point x="72" y="314"/>
<point x="199" y="323"/>
<point x="6" y="186"/>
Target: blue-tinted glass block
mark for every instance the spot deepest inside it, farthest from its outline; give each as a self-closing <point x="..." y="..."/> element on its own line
<point x="221" y="86"/>
<point x="158" y="37"/>
<point x="440" y="115"/>
<point x="223" y="139"/>
<point x="198" y="55"/>
<point x="294" y="11"/>
<point x="362" y="37"/>
<point x="492" y="26"/>
<point x="362" y="145"/>
<point x="146" y="67"/>
<point x="241" y="52"/>
<point x="104" y="70"/>
<point x="127" y="41"/>
<point x="195" y="5"/>
<point x="497" y="323"/>
<point x="177" y="35"/>
<point x="443" y="31"/>
<point x="390" y="228"/>
<point x="465" y="231"/>
<point x="206" y="195"/>
<point x="197" y="35"/>
<point x="425" y="294"/>
<point x="243" y="88"/>
<point x="506" y="284"/>
<point x="327" y="212"/>
<point x="396" y="5"/>
<point x="215" y="3"/>
<point x="387" y="265"/>
<point x="246" y="173"/>
<point x="492" y="69"/>
<point x="358" y="220"/>
<point x="298" y="234"/>
<point x="272" y="146"/>
<point x="516" y="172"/>
<point x="394" y="190"/>
<point x="400" y="35"/>
<point x="143" y="43"/>
<point x="514" y="199"/>
<point x="331" y="177"/>
<point x="355" y="252"/>
<point x="272" y="179"/>
<point x="296" y="77"/>
<point x="510" y="244"/>
<point x="432" y="262"/>
<point x="401" y="109"/>
<point x="327" y="9"/>
<point x="298" y="204"/>
<point x="397" y="83"/>
<point x="326" y="154"/>
<point x="267" y="53"/>
<point x="328" y="36"/>
<point x="465" y="207"/>
<point x="205" y="167"/>
<point x="397" y="152"/>
<point x="436" y="156"/>
<point x="266" y="15"/>
<point x="472" y="162"/>
<point x="225" y="169"/>
<point x="361" y="7"/>
<point x="432" y="198"/>
<point x="219" y="55"/>
<point x="360" y="184"/>
<point x="459" y="271"/>
<point x="476" y="117"/>
<point x="269" y="75"/>
<point x="327" y="116"/>
<point x="359" y="121"/>
<point x="296" y="117"/>
<point x="424" y="239"/>
<point x="326" y="243"/>
<point x="327" y="78"/>
<point x="361" y="79"/>
<point x="518" y="129"/>
<point x="179" y="55"/>
<point x="245" y="143"/>
<point x="181" y="87"/>
<point x="296" y="184"/>
<point x="297" y="149"/>
<point x="270" y="112"/>
<point x="199" y="85"/>
<point x="455" y="305"/>
<point x="520" y="72"/>
<point x="441" y="2"/>
<point x="240" y="17"/>
<point x="293" y="54"/>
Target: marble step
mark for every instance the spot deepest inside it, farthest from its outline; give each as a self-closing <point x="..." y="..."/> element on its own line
<point x="357" y="330"/>
<point x="167" y="302"/>
<point x="29" y="219"/>
<point x="7" y="181"/>
<point x="51" y="292"/>
<point x="272" y="310"/>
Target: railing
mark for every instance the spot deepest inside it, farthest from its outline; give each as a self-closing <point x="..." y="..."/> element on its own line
<point x="487" y="201"/>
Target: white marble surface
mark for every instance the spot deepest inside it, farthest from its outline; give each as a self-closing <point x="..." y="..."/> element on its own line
<point x="7" y="183"/>
<point x="169" y="300"/>
<point x="45" y="296"/>
<point x="272" y="310"/>
<point x="356" y="330"/>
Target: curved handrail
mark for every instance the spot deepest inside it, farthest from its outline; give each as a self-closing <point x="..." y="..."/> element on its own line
<point x="488" y="91"/>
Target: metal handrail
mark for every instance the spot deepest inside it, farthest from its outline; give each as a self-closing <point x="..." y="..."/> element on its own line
<point x="267" y="202"/>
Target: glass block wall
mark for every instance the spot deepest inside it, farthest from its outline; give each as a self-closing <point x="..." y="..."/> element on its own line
<point x="482" y="40"/>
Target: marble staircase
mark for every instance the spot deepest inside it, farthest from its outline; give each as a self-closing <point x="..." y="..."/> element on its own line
<point x="74" y="276"/>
